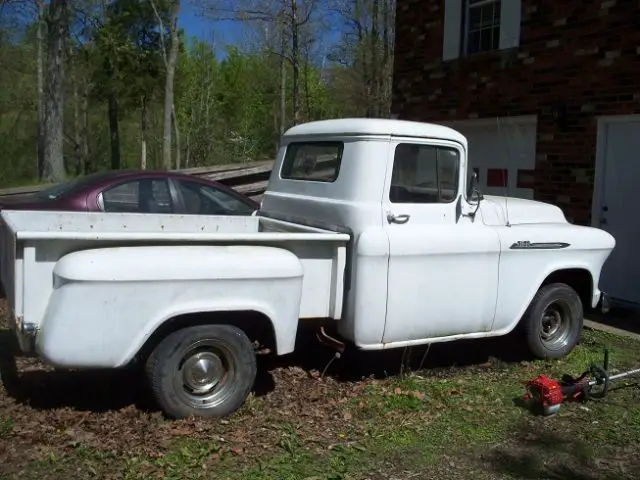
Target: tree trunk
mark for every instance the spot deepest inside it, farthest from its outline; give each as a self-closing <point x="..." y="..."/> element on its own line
<point x="307" y="96"/>
<point x="84" y="143"/>
<point x="372" y="101"/>
<point x="40" y="34"/>
<point x="176" y="131"/>
<point x="283" y="83"/>
<point x="54" y="102"/>
<point x="294" y="61"/>
<point x="143" y="133"/>
<point x="386" y="67"/>
<point x="112" y="108"/>
<point x="361" y="62"/>
<point x="276" y="126"/>
<point x="168" y="90"/>
<point x="189" y="134"/>
<point x="77" y="133"/>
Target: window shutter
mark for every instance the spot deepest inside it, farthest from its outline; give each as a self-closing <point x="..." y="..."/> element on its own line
<point x="451" y="34"/>
<point x="510" y="14"/>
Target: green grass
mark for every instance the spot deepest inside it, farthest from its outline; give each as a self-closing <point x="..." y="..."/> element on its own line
<point x="416" y="422"/>
<point x="6" y="426"/>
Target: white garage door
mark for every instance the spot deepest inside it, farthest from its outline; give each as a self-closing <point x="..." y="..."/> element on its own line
<point x="615" y="198"/>
<point x="503" y="152"/>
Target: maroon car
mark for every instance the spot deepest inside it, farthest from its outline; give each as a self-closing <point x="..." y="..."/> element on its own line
<point x="137" y="191"/>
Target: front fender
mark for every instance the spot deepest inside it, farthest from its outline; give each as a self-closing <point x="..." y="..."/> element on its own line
<point x="107" y="302"/>
<point x="515" y="295"/>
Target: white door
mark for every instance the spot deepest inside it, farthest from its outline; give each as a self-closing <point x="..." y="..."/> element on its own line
<point x="443" y="269"/>
<point x="616" y="205"/>
<point x="503" y="150"/>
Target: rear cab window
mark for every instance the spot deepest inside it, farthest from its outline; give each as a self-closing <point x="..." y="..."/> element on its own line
<point x="312" y="161"/>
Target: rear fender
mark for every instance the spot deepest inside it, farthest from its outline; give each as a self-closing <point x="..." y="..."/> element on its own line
<point x="108" y="302"/>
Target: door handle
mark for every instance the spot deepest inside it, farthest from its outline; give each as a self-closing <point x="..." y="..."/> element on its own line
<point x="393" y="218"/>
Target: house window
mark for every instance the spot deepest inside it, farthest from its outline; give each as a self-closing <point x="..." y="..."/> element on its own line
<point x="482" y="26"/>
<point x="473" y="26"/>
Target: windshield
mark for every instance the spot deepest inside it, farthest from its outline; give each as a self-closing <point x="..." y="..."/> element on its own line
<point x="65" y="188"/>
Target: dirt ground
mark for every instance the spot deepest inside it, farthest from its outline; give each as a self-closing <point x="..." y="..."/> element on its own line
<point x="449" y="412"/>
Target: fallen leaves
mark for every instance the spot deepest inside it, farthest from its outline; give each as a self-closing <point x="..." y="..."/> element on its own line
<point x="409" y="393"/>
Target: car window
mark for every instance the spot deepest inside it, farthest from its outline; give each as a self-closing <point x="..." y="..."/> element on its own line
<point x="138" y="196"/>
<point x="202" y="199"/>
<point x="424" y="174"/>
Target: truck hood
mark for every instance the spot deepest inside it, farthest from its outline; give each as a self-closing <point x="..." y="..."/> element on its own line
<point x="498" y="210"/>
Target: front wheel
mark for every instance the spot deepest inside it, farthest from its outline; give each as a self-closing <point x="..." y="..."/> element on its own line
<point x="205" y="370"/>
<point x="553" y="322"/>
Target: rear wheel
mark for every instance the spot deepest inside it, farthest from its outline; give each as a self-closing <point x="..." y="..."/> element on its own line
<point x="205" y="370"/>
<point x="553" y="322"/>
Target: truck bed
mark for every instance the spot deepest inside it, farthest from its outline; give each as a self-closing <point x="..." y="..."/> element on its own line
<point x="32" y="242"/>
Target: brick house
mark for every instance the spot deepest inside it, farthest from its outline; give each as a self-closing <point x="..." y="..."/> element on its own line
<point x="548" y="94"/>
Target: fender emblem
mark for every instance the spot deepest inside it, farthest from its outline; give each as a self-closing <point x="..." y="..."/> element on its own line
<point x="527" y="245"/>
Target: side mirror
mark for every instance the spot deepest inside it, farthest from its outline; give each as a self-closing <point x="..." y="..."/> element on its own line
<point x="474" y="195"/>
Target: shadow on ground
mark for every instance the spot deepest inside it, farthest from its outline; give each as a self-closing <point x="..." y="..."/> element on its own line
<point x="542" y="453"/>
<point x="355" y="365"/>
<point x="100" y="391"/>
<point x="622" y="317"/>
<point x="40" y="388"/>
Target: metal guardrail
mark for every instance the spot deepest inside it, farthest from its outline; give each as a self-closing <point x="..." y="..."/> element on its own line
<point x="247" y="178"/>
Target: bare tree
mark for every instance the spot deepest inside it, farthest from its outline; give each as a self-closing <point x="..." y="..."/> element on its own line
<point x="54" y="98"/>
<point x="144" y="125"/>
<point x="286" y="19"/>
<point x="170" y="61"/>
<point x="40" y="39"/>
<point x="283" y="78"/>
<point x="367" y="47"/>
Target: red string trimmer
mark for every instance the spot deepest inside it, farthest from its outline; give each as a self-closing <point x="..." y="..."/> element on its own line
<point x="545" y="395"/>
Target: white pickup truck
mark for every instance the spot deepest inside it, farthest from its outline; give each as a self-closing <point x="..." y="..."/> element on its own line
<point x="373" y="225"/>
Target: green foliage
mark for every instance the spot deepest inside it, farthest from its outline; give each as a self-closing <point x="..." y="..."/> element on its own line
<point x="227" y="104"/>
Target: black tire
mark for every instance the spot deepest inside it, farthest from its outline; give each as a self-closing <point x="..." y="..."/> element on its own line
<point x="221" y="352"/>
<point x="553" y="321"/>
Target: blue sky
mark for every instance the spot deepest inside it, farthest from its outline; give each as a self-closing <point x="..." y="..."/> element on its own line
<point x="222" y="33"/>
<point x="229" y="32"/>
<point x="205" y="29"/>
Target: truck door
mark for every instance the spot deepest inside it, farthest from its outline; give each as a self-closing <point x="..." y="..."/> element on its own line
<point x="443" y="267"/>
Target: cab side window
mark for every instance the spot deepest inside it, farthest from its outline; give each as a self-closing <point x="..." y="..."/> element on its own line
<point x="424" y="174"/>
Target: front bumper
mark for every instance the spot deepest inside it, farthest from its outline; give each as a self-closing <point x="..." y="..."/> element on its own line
<point x="603" y="302"/>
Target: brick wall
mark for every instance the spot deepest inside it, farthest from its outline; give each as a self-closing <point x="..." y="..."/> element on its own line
<point x="580" y="54"/>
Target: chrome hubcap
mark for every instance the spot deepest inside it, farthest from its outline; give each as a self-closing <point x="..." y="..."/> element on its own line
<point x="202" y="372"/>
<point x="551" y="323"/>
<point x="206" y="375"/>
<point x="555" y="325"/>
